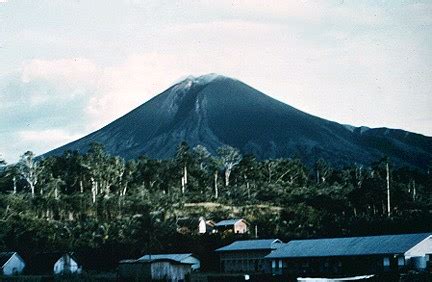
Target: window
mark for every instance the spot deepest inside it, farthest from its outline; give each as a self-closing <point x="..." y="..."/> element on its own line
<point x="386" y="262"/>
<point x="273" y="263"/>
<point x="280" y="263"/>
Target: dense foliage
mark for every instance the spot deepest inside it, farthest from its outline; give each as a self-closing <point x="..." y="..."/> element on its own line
<point x="106" y="208"/>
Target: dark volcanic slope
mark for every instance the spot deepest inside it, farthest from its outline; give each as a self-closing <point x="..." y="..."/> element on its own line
<point x="214" y="110"/>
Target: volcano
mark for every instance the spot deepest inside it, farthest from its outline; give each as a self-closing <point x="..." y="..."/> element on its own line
<point x="214" y="110"/>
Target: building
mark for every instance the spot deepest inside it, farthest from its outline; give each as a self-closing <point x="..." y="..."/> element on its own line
<point x="159" y="269"/>
<point x="247" y="256"/>
<point x="352" y="256"/>
<point x="187" y="258"/>
<point x="11" y="263"/>
<point x="55" y="263"/>
<point x="205" y="226"/>
<point x="234" y="225"/>
<point x="195" y="225"/>
<point x="67" y="264"/>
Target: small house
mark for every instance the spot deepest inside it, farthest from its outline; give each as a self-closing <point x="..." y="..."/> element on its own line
<point x="195" y="225"/>
<point x="55" y="263"/>
<point x="239" y="226"/>
<point x="353" y="255"/>
<point x="11" y="263"/>
<point x="159" y="269"/>
<point x="247" y="256"/>
<point x="186" y="258"/>
<point x="205" y="226"/>
<point x="67" y="264"/>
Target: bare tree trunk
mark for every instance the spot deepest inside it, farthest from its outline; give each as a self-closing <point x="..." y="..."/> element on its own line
<point x="81" y="187"/>
<point x="185" y="174"/>
<point x="32" y="189"/>
<point x="107" y="189"/>
<point x="227" y="175"/>
<point x="184" y="179"/>
<point x="269" y="172"/>
<point x="414" y="191"/>
<point x="94" y="189"/>
<point x="93" y="196"/>
<point x="124" y="190"/>
<point x="248" y="189"/>
<point x="216" y="184"/>
<point x="245" y="179"/>
<point x="388" y="189"/>
<point x="183" y="185"/>
<point x="14" y="185"/>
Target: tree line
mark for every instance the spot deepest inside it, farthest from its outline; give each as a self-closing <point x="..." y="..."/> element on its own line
<point x="105" y="205"/>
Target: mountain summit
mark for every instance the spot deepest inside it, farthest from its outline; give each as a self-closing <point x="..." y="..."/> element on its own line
<point x="213" y="110"/>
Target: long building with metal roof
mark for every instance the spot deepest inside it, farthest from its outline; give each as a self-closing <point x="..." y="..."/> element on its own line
<point x="352" y="255"/>
<point x="247" y="256"/>
<point x="249" y="245"/>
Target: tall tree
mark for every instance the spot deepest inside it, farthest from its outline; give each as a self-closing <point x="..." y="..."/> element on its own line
<point x="29" y="170"/>
<point x="215" y="165"/>
<point x="183" y="158"/>
<point x="323" y="171"/>
<point x="104" y="171"/>
<point x="230" y="158"/>
<point x="248" y="172"/>
<point x="201" y="155"/>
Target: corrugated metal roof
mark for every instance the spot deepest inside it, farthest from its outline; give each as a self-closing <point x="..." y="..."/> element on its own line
<point x="263" y="244"/>
<point x="227" y="222"/>
<point x="146" y="261"/>
<point x="352" y="246"/>
<point x="176" y="257"/>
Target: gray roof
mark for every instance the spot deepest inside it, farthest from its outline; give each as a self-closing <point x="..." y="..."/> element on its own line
<point x="352" y="246"/>
<point x="175" y="257"/>
<point x="228" y="222"/>
<point x="4" y="257"/>
<point x="264" y="244"/>
<point x="146" y="261"/>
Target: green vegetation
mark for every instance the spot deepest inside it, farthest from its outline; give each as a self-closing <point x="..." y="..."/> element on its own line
<point x="105" y="208"/>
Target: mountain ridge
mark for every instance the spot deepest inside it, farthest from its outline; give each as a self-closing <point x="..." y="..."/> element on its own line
<point x="214" y="110"/>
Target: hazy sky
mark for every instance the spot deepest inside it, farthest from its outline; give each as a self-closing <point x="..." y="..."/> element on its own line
<point x="69" y="67"/>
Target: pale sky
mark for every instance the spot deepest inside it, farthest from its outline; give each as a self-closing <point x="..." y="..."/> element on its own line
<point x="69" y="67"/>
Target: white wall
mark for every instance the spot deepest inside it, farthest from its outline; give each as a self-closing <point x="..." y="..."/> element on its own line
<point x="421" y="249"/>
<point x="202" y="227"/>
<point x="15" y="265"/>
<point x="418" y="254"/>
<point x="66" y="265"/>
<point x="174" y="272"/>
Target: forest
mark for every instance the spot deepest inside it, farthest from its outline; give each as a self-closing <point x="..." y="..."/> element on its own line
<point x="105" y="208"/>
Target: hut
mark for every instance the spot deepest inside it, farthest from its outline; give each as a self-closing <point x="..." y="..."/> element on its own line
<point x="159" y="269"/>
<point x="11" y="263"/>
<point x="55" y="263"/>
<point x="238" y="225"/>
<point x="187" y="258"/>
